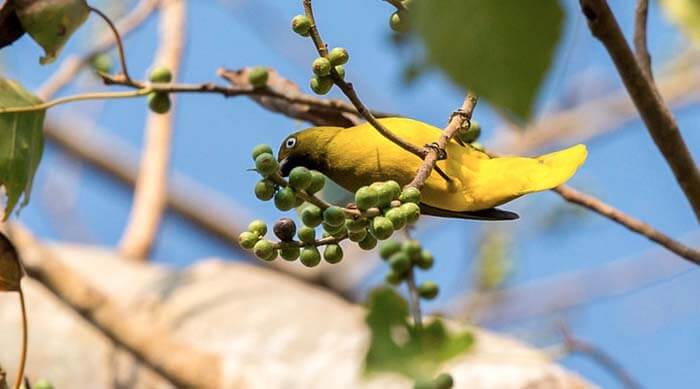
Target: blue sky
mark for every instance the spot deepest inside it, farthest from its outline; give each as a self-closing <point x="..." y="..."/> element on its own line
<point x="653" y="326"/>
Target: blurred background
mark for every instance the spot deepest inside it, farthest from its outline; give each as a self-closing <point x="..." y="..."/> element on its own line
<point x="557" y="264"/>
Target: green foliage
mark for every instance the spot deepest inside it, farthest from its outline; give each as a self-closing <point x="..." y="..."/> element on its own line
<point x="51" y="23"/>
<point x="501" y="50"/>
<point x="396" y="346"/>
<point x="21" y="143"/>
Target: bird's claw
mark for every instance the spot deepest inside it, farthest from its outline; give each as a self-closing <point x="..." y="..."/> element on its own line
<point x="441" y="153"/>
<point x="466" y="120"/>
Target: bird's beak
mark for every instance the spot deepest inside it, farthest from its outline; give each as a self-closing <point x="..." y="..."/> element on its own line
<point x="285" y="167"/>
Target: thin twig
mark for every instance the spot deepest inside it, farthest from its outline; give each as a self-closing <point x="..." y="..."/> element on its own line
<point x="350" y="92"/>
<point x="635" y="225"/>
<point x="659" y="120"/>
<point x="118" y="39"/>
<point x="640" y="37"/>
<point x="80" y="97"/>
<point x="23" y="354"/>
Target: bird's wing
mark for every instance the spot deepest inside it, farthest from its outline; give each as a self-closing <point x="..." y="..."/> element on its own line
<point x="492" y="214"/>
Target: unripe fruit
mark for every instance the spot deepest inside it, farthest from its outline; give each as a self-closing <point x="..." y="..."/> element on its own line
<point x="248" y="239"/>
<point x="426" y="260"/>
<point x="310" y="256"/>
<point x="334" y="230"/>
<point x="339" y="56"/>
<point x="261" y="149"/>
<point x="412" y="248"/>
<point x="266" y="164"/>
<point x="285" y="229"/>
<point x="412" y="212"/>
<point x="366" y="198"/>
<point x="397" y="218"/>
<point x="307" y="235"/>
<point x="285" y="199"/>
<point x="258" y="227"/>
<point x="264" y="190"/>
<point x="301" y="25"/>
<point x="382" y="228"/>
<point x="290" y="253"/>
<point x="333" y="253"/>
<point x="389" y="248"/>
<point x="159" y="102"/>
<point x="423" y="383"/>
<point x="102" y="63"/>
<point x="42" y="384"/>
<point x="264" y="250"/>
<point x="399" y="21"/>
<point x="384" y="194"/>
<point x="393" y="278"/>
<point x="321" y="85"/>
<point x="428" y="290"/>
<point x="340" y="69"/>
<point x="357" y="236"/>
<point x="410" y="195"/>
<point x="395" y="189"/>
<point x="311" y="216"/>
<point x="444" y="381"/>
<point x="368" y="243"/>
<point x="300" y="178"/>
<point x="160" y="74"/>
<point x="470" y="135"/>
<point x="399" y="262"/>
<point x="257" y="76"/>
<point x="318" y="181"/>
<point x="334" y="216"/>
<point x="321" y="67"/>
<point x="355" y="225"/>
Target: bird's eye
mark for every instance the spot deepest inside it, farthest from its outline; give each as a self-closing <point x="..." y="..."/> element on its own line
<point x="291" y="142"/>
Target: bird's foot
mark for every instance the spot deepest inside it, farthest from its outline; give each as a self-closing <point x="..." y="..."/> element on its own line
<point x="441" y="153"/>
<point x="465" y="122"/>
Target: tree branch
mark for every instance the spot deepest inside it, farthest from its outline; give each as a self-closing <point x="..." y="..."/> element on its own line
<point x="657" y="117"/>
<point x="640" y="37"/>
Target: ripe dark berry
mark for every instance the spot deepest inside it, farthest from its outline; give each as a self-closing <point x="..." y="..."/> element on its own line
<point x="284" y="229"/>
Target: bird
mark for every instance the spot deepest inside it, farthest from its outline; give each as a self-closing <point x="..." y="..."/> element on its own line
<point x="475" y="185"/>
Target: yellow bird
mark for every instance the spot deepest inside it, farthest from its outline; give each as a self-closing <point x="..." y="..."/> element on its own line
<point x="358" y="156"/>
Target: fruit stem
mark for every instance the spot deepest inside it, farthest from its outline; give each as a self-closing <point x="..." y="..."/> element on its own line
<point x="23" y="354"/>
<point x="117" y="38"/>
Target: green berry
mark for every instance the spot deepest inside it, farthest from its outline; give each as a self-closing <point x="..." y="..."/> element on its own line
<point x="399" y="22"/>
<point x="357" y="236"/>
<point x="42" y="384"/>
<point x="321" y="67"/>
<point x="285" y="199"/>
<point x="366" y="198"/>
<point x="389" y="248"/>
<point x="307" y="235"/>
<point x="426" y="260"/>
<point x="265" y="250"/>
<point x="340" y="69"/>
<point x="257" y="76"/>
<point x="266" y="164"/>
<point x="393" y="278"/>
<point x="444" y="381"/>
<point x="423" y="383"/>
<point x="412" y="212"/>
<point x="355" y="225"/>
<point x="300" y="178"/>
<point x="368" y="243"/>
<point x="310" y="257"/>
<point x="339" y="56"/>
<point x="301" y="25"/>
<point x="472" y="134"/>
<point x="264" y="190"/>
<point x="382" y="228"/>
<point x="102" y="63"/>
<point x="290" y="253"/>
<point x="384" y="194"/>
<point x="334" y="216"/>
<point x="334" y="230"/>
<point x="399" y="262"/>
<point x="321" y="85"/>
<point x="395" y="189"/>
<point x="258" y="227"/>
<point x="318" y="181"/>
<point x="333" y="253"/>
<point x="261" y="149"/>
<point x="159" y="102"/>
<point x="397" y="217"/>
<point x="160" y="74"/>
<point x="412" y="248"/>
<point x="410" y="195"/>
<point x="311" y="216"/>
<point x="285" y="229"/>
<point x="248" y="239"/>
<point x="428" y="290"/>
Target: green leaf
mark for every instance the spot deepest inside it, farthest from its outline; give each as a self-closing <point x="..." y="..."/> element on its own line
<point x="21" y="143"/>
<point x="51" y="22"/>
<point x="500" y="50"/>
<point x="686" y="14"/>
<point x="10" y="269"/>
<point x="397" y="346"/>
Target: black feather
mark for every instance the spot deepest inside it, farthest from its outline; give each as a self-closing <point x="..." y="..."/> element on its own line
<point x="493" y="214"/>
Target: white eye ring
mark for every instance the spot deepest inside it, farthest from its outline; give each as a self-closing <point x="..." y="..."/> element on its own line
<point x="290" y="143"/>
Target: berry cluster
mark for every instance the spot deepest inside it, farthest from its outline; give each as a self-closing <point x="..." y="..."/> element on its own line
<point x="159" y="102"/>
<point x="403" y="258"/>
